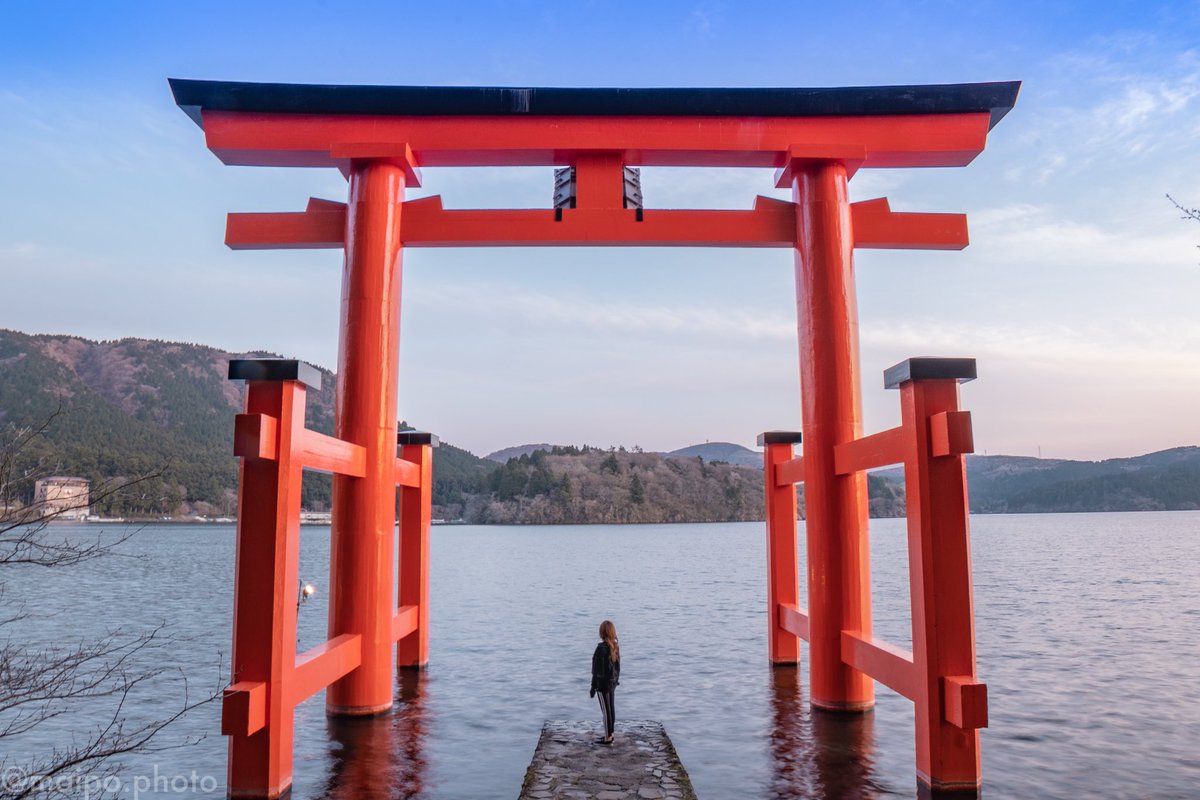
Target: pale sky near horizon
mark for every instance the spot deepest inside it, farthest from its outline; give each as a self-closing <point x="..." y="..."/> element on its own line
<point x="1078" y="294"/>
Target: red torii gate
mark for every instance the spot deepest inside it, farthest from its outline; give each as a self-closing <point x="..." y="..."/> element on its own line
<point x="379" y="137"/>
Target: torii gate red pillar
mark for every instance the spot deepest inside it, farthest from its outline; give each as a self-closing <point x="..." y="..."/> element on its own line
<point x="839" y="584"/>
<point x="362" y="551"/>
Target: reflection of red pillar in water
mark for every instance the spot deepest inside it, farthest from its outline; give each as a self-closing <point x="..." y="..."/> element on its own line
<point x="817" y="754"/>
<point x="383" y="751"/>
<point x="836" y="507"/>
<point x="362" y="555"/>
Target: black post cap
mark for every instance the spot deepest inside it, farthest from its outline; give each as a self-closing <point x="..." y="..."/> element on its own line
<point x="927" y="368"/>
<point x="417" y="437"/>
<point x="274" y="369"/>
<point x="778" y="437"/>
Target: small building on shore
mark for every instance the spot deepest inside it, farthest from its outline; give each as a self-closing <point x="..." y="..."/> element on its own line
<point x="62" y="498"/>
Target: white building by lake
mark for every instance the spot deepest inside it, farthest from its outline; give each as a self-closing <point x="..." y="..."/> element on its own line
<point x="62" y="497"/>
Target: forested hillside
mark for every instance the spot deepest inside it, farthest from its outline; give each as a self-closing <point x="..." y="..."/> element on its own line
<point x="1168" y="480"/>
<point x="133" y="407"/>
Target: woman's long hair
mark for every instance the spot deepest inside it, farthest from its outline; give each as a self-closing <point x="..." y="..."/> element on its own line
<point x="608" y="632"/>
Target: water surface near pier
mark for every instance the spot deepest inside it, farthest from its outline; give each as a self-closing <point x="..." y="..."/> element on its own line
<point x="1087" y="628"/>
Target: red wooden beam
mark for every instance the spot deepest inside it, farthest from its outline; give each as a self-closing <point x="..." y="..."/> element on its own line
<point x="793" y="620"/>
<point x="256" y="436"/>
<point x="790" y="472"/>
<point x="407" y="473"/>
<point x="322" y="453"/>
<point x="950" y="433"/>
<point x="851" y="156"/>
<point x="303" y="230"/>
<point x="877" y="227"/>
<point x="404" y="622"/>
<point x="886" y="663"/>
<point x="876" y="450"/>
<point x="312" y="140"/>
<point x="244" y="708"/>
<point x="965" y="702"/>
<point x="324" y="664"/>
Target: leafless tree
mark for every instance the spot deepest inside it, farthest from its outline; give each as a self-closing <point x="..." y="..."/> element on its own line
<point x="38" y="683"/>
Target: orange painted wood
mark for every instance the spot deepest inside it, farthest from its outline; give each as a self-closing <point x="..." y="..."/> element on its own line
<point x="890" y="665"/>
<point x="849" y="156"/>
<point x="876" y="226"/>
<point x="599" y="181"/>
<point x="783" y="554"/>
<point x="793" y="620"/>
<point x="243" y="708"/>
<point x="950" y="434"/>
<point x="324" y="664"/>
<point x="831" y="413"/>
<point x="876" y="450"/>
<point x="396" y="153"/>
<point x="255" y="436"/>
<point x="362" y="558"/>
<point x="416" y="515"/>
<point x="428" y="224"/>
<point x="266" y="573"/>
<point x="942" y="603"/>
<point x="404" y="622"/>
<point x="966" y="701"/>
<point x="309" y="140"/>
<point x="407" y="473"/>
<point x="323" y="453"/>
<point x="302" y="230"/>
<point x="790" y="472"/>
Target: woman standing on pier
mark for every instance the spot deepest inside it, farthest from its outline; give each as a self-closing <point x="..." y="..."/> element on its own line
<point x="606" y="674"/>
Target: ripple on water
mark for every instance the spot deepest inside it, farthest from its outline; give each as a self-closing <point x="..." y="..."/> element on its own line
<point x="1083" y="625"/>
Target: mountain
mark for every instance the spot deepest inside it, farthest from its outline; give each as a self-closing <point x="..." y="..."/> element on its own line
<point x="721" y="451"/>
<point x="590" y="485"/>
<point x="1162" y="481"/>
<point x="501" y="456"/>
<point x="136" y="406"/>
<point x="133" y="407"/>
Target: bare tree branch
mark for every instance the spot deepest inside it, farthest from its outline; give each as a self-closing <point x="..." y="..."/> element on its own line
<point x="38" y="685"/>
<point x="1188" y="213"/>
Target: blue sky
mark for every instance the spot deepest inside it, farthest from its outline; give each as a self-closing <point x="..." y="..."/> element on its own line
<point x="1078" y="294"/>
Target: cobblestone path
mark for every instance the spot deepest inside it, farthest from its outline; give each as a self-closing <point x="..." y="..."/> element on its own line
<point x="641" y="764"/>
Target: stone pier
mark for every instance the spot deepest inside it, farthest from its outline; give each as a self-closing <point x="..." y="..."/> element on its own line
<point x="641" y="764"/>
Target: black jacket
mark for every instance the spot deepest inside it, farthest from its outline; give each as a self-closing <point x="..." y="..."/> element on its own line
<point x="606" y="673"/>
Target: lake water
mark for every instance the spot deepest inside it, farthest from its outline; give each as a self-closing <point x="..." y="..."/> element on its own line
<point x="1087" y="627"/>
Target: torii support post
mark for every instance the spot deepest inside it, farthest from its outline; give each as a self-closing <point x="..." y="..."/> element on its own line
<point x="839" y="583"/>
<point x="939" y="674"/>
<point x="257" y="714"/>
<point x="362" y="554"/>
<point x="416" y="503"/>
<point x="783" y="586"/>
<point x="950" y="702"/>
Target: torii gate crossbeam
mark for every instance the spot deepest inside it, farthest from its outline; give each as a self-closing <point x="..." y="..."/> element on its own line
<point x="816" y="139"/>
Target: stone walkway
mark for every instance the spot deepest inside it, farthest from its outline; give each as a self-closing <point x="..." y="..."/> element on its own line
<point x="641" y="764"/>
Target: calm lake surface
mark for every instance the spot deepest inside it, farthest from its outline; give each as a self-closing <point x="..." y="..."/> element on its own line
<point x="1087" y="628"/>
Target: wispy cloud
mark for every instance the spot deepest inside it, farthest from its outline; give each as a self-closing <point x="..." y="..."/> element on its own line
<point x="1027" y="233"/>
<point x="566" y="312"/>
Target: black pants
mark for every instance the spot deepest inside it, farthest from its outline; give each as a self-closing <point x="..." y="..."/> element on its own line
<point x="608" y="707"/>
